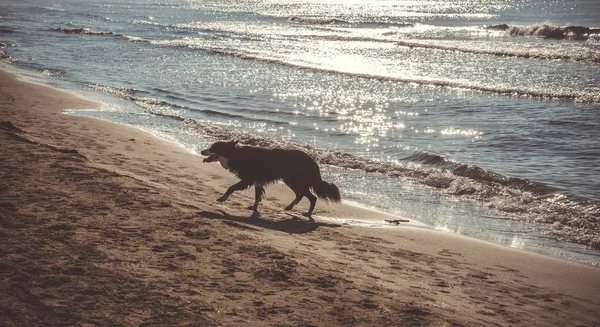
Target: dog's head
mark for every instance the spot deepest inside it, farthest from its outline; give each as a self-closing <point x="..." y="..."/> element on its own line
<point x="219" y="151"/>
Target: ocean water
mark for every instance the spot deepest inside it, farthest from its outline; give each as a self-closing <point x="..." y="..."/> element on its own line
<point x="474" y="117"/>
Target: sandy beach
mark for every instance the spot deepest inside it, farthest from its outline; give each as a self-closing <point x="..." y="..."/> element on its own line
<point x="103" y="224"/>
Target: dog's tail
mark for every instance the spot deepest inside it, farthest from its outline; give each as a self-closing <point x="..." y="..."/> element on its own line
<point x="327" y="191"/>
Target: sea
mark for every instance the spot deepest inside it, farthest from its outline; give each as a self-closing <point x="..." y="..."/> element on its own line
<point x="474" y="117"/>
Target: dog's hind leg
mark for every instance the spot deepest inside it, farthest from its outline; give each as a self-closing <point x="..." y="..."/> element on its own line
<point x="296" y="200"/>
<point x="301" y="188"/>
<point x="241" y="185"/>
<point x="313" y="202"/>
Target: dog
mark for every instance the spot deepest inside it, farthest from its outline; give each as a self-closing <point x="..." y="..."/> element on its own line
<point x="260" y="167"/>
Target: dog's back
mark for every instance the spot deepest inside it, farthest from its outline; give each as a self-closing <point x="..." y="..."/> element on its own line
<point x="264" y="166"/>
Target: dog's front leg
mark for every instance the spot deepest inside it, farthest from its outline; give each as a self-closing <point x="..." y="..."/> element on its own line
<point x="241" y="185"/>
<point x="259" y="191"/>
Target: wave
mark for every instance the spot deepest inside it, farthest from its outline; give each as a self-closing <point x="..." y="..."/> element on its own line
<point x="126" y="94"/>
<point x="134" y="39"/>
<point x="47" y="9"/>
<point x="87" y="31"/>
<point x="575" y="96"/>
<point x="4" y="58"/>
<point x="166" y="109"/>
<point x="551" y="54"/>
<point x="526" y="53"/>
<point x="145" y="22"/>
<point x="317" y="21"/>
<point x="6" y="29"/>
<point x="521" y="53"/>
<point x="564" y="218"/>
<point x="202" y="27"/>
<point x="150" y="105"/>
<point x="335" y="21"/>
<point x="478" y="174"/>
<point x="548" y="31"/>
<point x="516" y="53"/>
<point x="211" y="28"/>
<point x="553" y="32"/>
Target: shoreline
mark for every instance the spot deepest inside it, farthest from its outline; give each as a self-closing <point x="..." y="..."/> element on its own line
<point x="127" y="208"/>
<point x="550" y="247"/>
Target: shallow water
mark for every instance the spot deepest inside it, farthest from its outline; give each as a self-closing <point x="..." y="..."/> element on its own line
<point x="431" y="110"/>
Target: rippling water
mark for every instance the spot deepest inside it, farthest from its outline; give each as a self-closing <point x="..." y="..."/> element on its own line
<point x="476" y="117"/>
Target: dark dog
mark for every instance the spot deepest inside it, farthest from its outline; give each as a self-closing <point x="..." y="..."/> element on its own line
<point x="259" y="167"/>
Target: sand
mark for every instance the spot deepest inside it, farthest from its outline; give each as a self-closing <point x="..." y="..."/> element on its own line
<point x="103" y="224"/>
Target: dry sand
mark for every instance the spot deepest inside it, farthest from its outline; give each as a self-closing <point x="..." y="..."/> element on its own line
<point x="103" y="225"/>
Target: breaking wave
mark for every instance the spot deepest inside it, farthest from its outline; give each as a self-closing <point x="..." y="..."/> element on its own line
<point x="145" y="22"/>
<point x="150" y="105"/>
<point x="126" y="94"/>
<point x="564" y="218"/>
<point x="87" y="31"/>
<point x="550" y="31"/>
<point x="134" y="39"/>
<point x="4" y="58"/>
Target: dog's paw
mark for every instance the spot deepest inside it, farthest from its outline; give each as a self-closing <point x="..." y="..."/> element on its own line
<point x="309" y="216"/>
<point x="221" y="199"/>
<point x="288" y="208"/>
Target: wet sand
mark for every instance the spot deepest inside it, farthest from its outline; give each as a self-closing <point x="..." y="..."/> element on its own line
<point x="103" y="224"/>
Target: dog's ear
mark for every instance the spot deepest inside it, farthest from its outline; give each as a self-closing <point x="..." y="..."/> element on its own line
<point x="233" y="143"/>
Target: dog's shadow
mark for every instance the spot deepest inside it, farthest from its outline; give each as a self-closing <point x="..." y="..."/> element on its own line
<point x="293" y="225"/>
